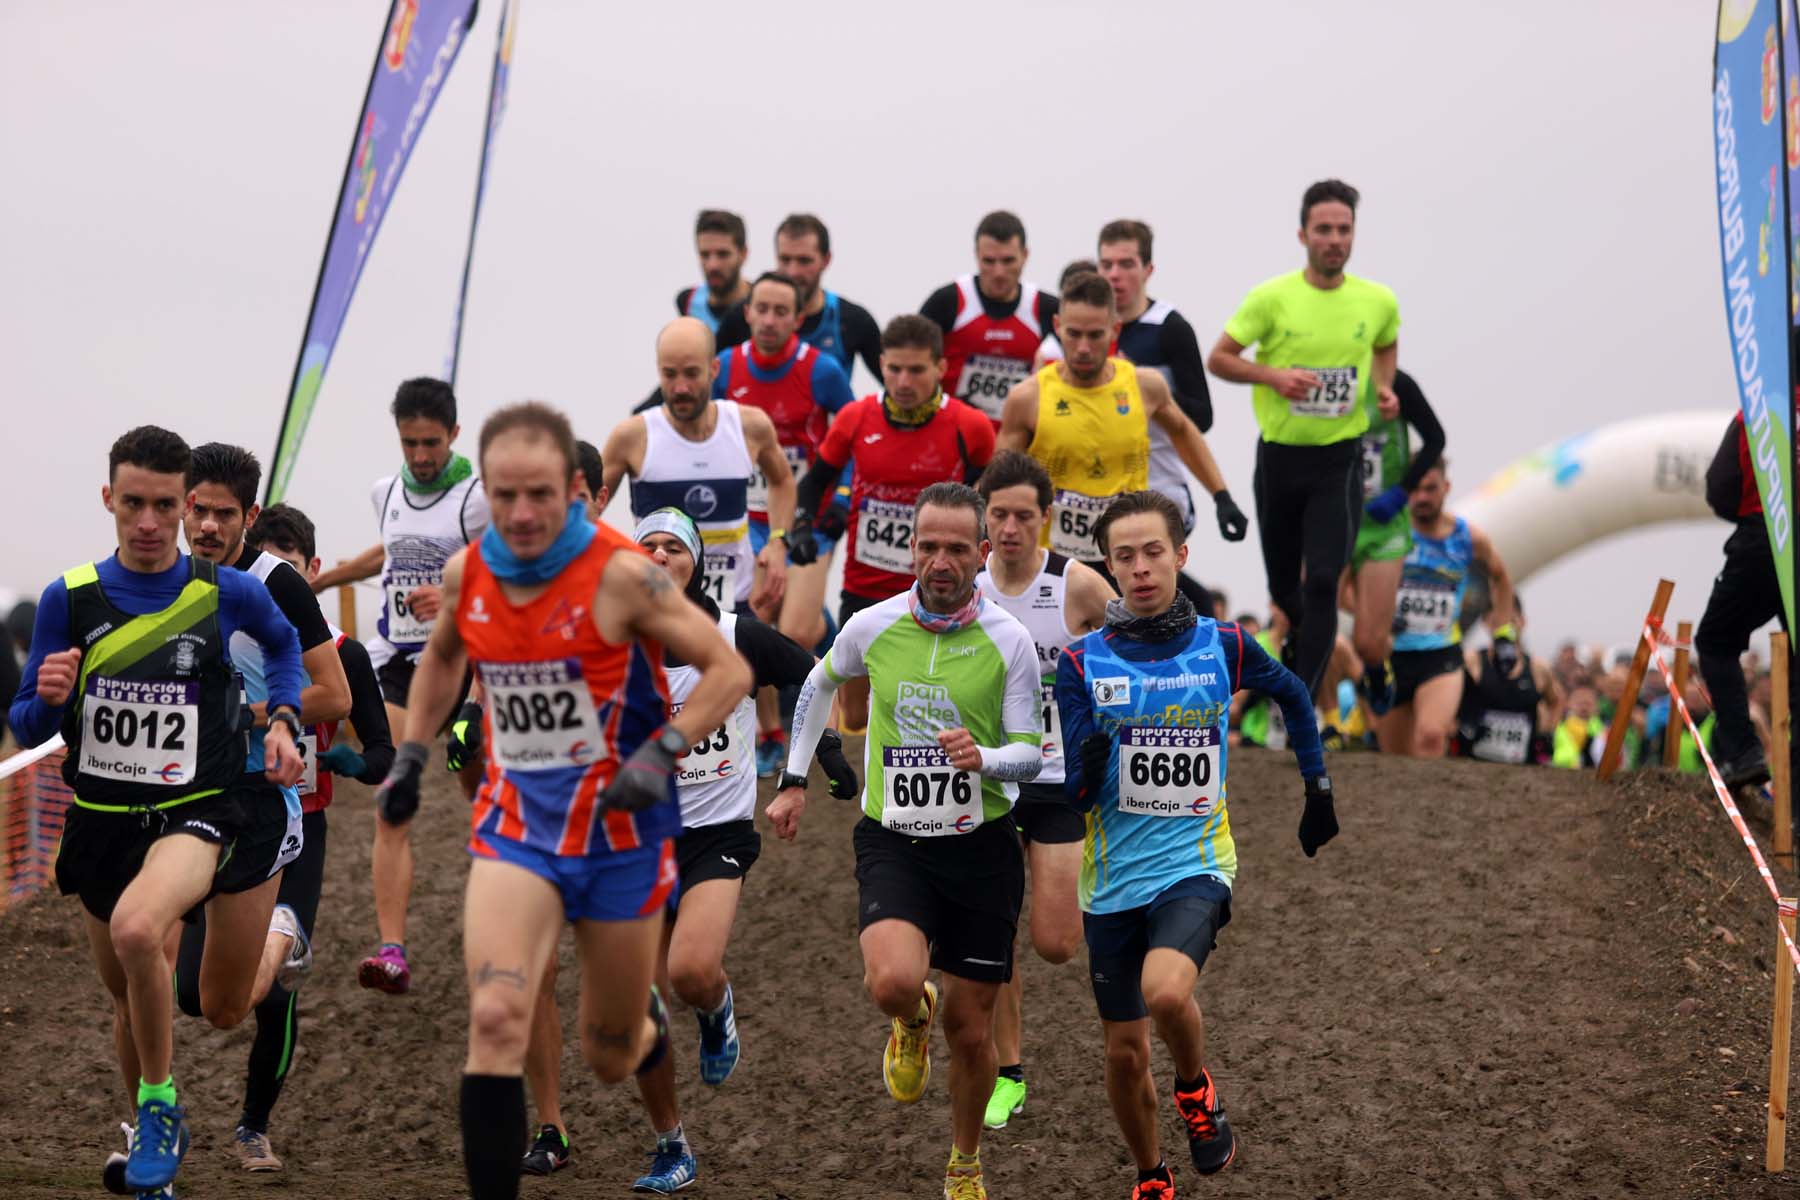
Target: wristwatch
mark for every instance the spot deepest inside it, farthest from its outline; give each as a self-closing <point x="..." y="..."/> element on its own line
<point x="790" y="780"/>
<point x="778" y="533"/>
<point x="285" y="716"/>
<point x="671" y="741"/>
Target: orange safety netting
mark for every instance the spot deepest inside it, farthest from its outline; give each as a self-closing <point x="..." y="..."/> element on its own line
<point x="33" y="803"/>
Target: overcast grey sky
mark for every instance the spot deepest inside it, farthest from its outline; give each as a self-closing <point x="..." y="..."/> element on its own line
<point x="1536" y="181"/>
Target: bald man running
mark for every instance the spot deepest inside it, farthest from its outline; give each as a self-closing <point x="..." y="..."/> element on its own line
<point x="696" y="454"/>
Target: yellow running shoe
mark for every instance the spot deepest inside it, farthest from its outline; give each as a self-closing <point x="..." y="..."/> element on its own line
<point x="906" y="1063"/>
<point x="962" y="1179"/>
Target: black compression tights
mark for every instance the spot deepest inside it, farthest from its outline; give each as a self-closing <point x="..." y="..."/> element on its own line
<point x="1308" y="506"/>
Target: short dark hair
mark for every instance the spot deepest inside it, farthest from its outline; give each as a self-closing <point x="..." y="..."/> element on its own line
<point x="1088" y="288"/>
<point x="1130" y="504"/>
<point x="537" y="419"/>
<point x="954" y="495"/>
<point x="151" y="447"/>
<point x="1077" y="266"/>
<point x="587" y="461"/>
<point x="1002" y="226"/>
<point x="286" y="528"/>
<point x="910" y="331"/>
<point x="777" y="277"/>
<point x="425" y="397"/>
<point x="801" y="224"/>
<point x="1010" y="468"/>
<point x="233" y="466"/>
<point x="718" y="220"/>
<point x="1128" y="230"/>
<point x="1325" y="191"/>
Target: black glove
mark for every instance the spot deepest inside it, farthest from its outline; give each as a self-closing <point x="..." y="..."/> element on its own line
<point x="803" y="550"/>
<point x="1096" y="748"/>
<point x="837" y="768"/>
<point x="642" y="779"/>
<point x="830" y="523"/>
<point x="1233" y="524"/>
<point x="397" y="799"/>
<point x="1506" y="654"/>
<point x="464" y="744"/>
<point x="1318" y="824"/>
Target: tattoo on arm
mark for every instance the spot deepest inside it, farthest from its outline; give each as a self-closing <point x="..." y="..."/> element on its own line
<point x="513" y="977"/>
<point x="656" y="582"/>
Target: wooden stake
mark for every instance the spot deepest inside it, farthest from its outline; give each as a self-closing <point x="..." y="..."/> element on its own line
<point x="1780" y="784"/>
<point x="1672" y="735"/>
<point x="347" y="609"/>
<point x="1615" y="738"/>
<point x="1775" y="1155"/>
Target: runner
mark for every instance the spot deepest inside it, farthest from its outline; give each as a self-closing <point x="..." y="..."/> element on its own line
<point x="1158" y="870"/>
<point x="717" y="846"/>
<point x="832" y="325"/>
<point x="992" y="322"/>
<point x="221" y="508"/>
<point x="955" y="726"/>
<point x="1390" y="472"/>
<point x="1327" y="343"/>
<point x="720" y="241"/>
<point x="576" y="817"/>
<point x="900" y="442"/>
<point x="1507" y="715"/>
<point x="1086" y="418"/>
<point x="432" y="507"/>
<point x="1057" y="601"/>
<point x="1153" y="334"/>
<point x="1428" y="659"/>
<point x="129" y="660"/>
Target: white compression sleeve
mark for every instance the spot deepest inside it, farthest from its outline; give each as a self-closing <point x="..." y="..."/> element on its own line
<point x="811" y="711"/>
<point x="1018" y="762"/>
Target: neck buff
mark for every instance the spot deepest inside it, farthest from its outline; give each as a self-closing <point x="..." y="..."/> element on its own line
<point x="917" y="416"/>
<point x="577" y="533"/>
<point x="1172" y="622"/>
<point x="769" y="362"/>
<point x="945" y="622"/>
<point x="454" y="472"/>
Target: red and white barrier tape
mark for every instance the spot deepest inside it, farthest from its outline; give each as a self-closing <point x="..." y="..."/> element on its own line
<point x="1654" y="635"/>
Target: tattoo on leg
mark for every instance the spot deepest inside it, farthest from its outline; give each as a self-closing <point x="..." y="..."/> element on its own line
<point x="489" y="973"/>
<point x="606" y="1037"/>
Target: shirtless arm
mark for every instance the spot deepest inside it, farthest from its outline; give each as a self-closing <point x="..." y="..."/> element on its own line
<point x="1386" y="361"/>
<point x="770" y="585"/>
<point x="1018" y="417"/>
<point x="363" y="566"/>
<point x="1189" y="442"/>
<point x="623" y="453"/>
<point x="637" y="599"/>
<point x="1088" y="594"/>
<point x="1227" y="361"/>
<point x="1500" y="588"/>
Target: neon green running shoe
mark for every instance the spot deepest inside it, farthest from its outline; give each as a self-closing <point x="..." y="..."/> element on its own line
<point x="1007" y="1102"/>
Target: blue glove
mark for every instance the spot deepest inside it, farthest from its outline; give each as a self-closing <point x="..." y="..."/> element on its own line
<point x="1384" y="507"/>
<point x="342" y="759"/>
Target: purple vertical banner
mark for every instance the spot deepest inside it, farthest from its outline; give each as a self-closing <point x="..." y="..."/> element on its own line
<point x="419" y="44"/>
<point x="503" y="52"/>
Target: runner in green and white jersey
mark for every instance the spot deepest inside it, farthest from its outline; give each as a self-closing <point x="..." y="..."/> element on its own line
<point x="955" y="725"/>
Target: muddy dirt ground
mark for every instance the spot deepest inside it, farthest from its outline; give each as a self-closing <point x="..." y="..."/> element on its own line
<point x="1496" y="983"/>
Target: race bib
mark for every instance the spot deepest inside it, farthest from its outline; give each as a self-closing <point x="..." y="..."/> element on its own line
<point x="1505" y="737"/>
<point x="924" y="796"/>
<point x="542" y="715"/>
<point x="714" y="757"/>
<point x="719" y="574"/>
<point x="1052" y="720"/>
<point x="1072" y="519"/>
<point x="1168" y="771"/>
<point x="403" y="627"/>
<point x="756" y="493"/>
<point x="1373" y="446"/>
<point x="308" y="746"/>
<point x="986" y="378"/>
<point x="1335" y="395"/>
<point x="141" y="731"/>
<point x="884" y="530"/>
<point x="1425" y="608"/>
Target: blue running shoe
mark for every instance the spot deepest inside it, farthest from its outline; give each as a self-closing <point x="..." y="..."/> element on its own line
<point x="672" y="1168"/>
<point x="771" y="754"/>
<point x="718" y="1042"/>
<point x="162" y="1138"/>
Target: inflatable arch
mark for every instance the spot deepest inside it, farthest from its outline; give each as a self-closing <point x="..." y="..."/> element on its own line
<point x="1563" y="496"/>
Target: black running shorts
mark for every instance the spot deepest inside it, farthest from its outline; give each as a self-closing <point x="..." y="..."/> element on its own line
<point x="1045" y="815"/>
<point x="849" y="605"/>
<point x="724" y="851"/>
<point x="1185" y="916"/>
<point x="963" y="892"/>
<point x="1415" y="667"/>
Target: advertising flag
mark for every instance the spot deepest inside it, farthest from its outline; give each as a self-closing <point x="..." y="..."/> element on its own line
<point x="1752" y="175"/>
<point x="503" y="51"/>
<point x="419" y="44"/>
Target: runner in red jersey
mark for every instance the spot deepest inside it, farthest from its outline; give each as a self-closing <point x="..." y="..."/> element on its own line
<point x="992" y="322"/>
<point x="901" y="442"/>
<point x="566" y="623"/>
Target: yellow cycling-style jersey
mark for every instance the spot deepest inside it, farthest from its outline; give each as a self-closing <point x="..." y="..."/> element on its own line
<point x="1095" y="442"/>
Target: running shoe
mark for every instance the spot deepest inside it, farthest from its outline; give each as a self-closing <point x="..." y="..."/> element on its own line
<point x="906" y="1063"/>
<point x="1154" y="1189"/>
<point x="386" y="970"/>
<point x="771" y="755"/>
<point x="550" y="1153"/>
<point x="165" y="1192"/>
<point x="1378" y="687"/>
<point x="718" y="1042"/>
<point x="253" y="1150"/>
<point x="1746" y="770"/>
<point x="112" y="1175"/>
<point x="1007" y="1102"/>
<point x="162" y="1138"/>
<point x="1210" y="1139"/>
<point x="963" y="1182"/>
<point x="672" y="1167"/>
<point x="298" y="963"/>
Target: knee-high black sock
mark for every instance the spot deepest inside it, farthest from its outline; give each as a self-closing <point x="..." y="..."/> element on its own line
<point x="271" y="1053"/>
<point x="493" y="1129"/>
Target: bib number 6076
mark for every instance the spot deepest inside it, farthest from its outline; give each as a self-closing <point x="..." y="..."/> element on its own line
<point x="917" y="789"/>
